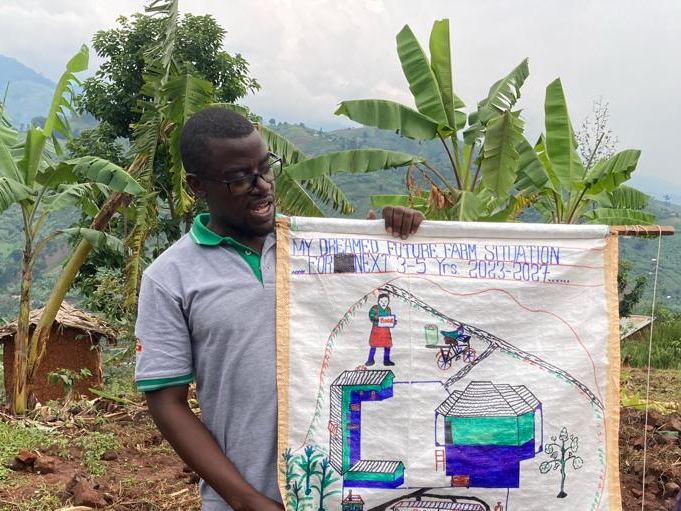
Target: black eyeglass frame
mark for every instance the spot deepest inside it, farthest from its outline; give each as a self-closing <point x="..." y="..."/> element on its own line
<point x="275" y="162"/>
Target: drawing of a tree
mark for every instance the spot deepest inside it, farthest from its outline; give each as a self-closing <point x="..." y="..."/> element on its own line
<point x="562" y="454"/>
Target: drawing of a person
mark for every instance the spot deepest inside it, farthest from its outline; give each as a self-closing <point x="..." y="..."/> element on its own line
<point x="380" y="336"/>
<point x="453" y="336"/>
<point x="498" y="507"/>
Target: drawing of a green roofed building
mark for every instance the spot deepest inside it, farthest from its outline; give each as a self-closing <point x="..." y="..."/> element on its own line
<point x="489" y="429"/>
<point x="348" y="392"/>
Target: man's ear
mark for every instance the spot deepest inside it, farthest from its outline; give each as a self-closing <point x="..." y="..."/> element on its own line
<point x="196" y="185"/>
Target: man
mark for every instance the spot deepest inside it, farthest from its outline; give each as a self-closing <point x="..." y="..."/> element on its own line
<point x="206" y="313"/>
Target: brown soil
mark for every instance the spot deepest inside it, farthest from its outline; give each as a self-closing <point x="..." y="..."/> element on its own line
<point x="663" y="459"/>
<point x="145" y="474"/>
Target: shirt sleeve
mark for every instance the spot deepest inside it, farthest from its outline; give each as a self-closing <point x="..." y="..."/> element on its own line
<point x="163" y="348"/>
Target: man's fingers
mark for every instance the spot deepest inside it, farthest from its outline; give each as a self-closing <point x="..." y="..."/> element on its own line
<point x="396" y="224"/>
<point x="407" y="220"/>
<point x="418" y="218"/>
<point x="387" y="214"/>
<point x="401" y="221"/>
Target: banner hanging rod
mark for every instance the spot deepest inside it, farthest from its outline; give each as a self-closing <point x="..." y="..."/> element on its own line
<point x="642" y="230"/>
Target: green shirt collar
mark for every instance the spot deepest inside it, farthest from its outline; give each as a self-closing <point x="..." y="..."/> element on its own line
<point x="202" y="235"/>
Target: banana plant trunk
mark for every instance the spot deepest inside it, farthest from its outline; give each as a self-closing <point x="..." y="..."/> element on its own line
<point x="41" y="334"/>
<point x="20" y="387"/>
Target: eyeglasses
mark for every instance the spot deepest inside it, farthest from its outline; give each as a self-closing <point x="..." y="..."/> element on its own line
<point x="268" y="171"/>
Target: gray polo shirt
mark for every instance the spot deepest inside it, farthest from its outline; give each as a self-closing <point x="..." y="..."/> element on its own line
<point x="206" y="312"/>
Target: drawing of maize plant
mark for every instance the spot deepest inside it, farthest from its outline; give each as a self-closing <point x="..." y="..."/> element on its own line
<point x="326" y="479"/>
<point x="305" y="472"/>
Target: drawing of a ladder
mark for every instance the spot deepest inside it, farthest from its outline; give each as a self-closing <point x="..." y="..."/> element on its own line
<point x="440" y="459"/>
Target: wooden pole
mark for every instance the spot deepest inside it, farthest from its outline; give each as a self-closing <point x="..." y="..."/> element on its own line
<point x="642" y="230"/>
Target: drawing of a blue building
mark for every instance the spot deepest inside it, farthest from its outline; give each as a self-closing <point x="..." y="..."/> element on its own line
<point x="348" y="392"/>
<point x="489" y="428"/>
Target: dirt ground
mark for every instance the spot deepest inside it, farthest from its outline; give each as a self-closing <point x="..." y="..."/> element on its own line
<point x="141" y="472"/>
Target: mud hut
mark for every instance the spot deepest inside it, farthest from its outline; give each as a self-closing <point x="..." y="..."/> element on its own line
<point x="74" y="343"/>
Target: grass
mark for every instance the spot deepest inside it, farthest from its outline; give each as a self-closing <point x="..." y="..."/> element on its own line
<point x="93" y="445"/>
<point x="666" y="347"/>
<point x="13" y="438"/>
<point x="45" y="499"/>
<point x="665" y="384"/>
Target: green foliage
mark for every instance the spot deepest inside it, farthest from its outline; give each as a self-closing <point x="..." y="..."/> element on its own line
<point x="480" y="170"/>
<point x="114" y="92"/>
<point x="630" y="294"/>
<point x="642" y="253"/>
<point x="93" y="445"/>
<point x="68" y="378"/>
<point x="100" y="141"/>
<point x="41" y="186"/>
<point x="44" y="498"/>
<point x="666" y="345"/>
<point x="14" y="437"/>
<point x="567" y="191"/>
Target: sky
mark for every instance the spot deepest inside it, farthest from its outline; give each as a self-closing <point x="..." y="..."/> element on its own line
<point x="309" y="55"/>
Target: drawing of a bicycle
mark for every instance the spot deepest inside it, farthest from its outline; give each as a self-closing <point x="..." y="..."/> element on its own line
<point x="456" y="346"/>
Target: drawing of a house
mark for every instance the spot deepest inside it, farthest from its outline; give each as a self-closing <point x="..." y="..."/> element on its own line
<point x="352" y="503"/>
<point x="489" y="428"/>
<point x="348" y="392"/>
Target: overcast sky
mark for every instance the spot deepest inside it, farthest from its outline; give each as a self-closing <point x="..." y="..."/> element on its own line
<point x="310" y="54"/>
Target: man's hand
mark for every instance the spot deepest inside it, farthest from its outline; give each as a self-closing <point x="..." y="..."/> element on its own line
<point x="196" y="446"/>
<point x="400" y="221"/>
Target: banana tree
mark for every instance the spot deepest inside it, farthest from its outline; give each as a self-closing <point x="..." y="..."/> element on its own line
<point x="32" y="178"/>
<point x="480" y="148"/>
<point x="564" y="189"/>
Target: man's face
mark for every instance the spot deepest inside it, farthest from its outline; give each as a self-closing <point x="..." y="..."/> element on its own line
<point x="250" y="215"/>
<point x="383" y="302"/>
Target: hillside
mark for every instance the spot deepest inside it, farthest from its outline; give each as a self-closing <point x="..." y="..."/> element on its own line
<point x="47" y="265"/>
<point x="642" y="252"/>
<point x="29" y="93"/>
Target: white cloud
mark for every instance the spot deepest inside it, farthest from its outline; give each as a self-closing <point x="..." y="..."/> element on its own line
<point x="310" y="54"/>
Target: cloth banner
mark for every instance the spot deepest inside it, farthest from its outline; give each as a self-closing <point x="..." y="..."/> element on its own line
<point x="472" y="367"/>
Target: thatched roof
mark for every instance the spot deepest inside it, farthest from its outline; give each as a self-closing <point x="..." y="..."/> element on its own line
<point x="67" y="317"/>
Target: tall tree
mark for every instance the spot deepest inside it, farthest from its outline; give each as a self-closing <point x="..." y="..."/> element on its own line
<point x="114" y="92"/>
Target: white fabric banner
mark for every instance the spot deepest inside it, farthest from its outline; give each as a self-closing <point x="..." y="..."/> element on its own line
<point x="472" y="367"/>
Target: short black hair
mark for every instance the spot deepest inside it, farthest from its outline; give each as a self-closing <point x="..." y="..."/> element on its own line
<point x="212" y="123"/>
<point x="383" y="295"/>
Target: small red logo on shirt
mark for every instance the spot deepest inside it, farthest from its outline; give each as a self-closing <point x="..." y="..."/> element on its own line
<point x="138" y="345"/>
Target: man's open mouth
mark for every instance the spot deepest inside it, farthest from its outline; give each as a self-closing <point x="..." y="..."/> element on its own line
<point x="262" y="207"/>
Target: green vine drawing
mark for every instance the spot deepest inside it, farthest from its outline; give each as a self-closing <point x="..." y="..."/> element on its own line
<point x="562" y="455"/>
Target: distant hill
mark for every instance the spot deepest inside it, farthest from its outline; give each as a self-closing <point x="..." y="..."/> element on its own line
<point x="29" y="92"/>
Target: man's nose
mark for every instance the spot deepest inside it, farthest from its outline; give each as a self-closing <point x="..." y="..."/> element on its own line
<point x="262" y="185"/>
